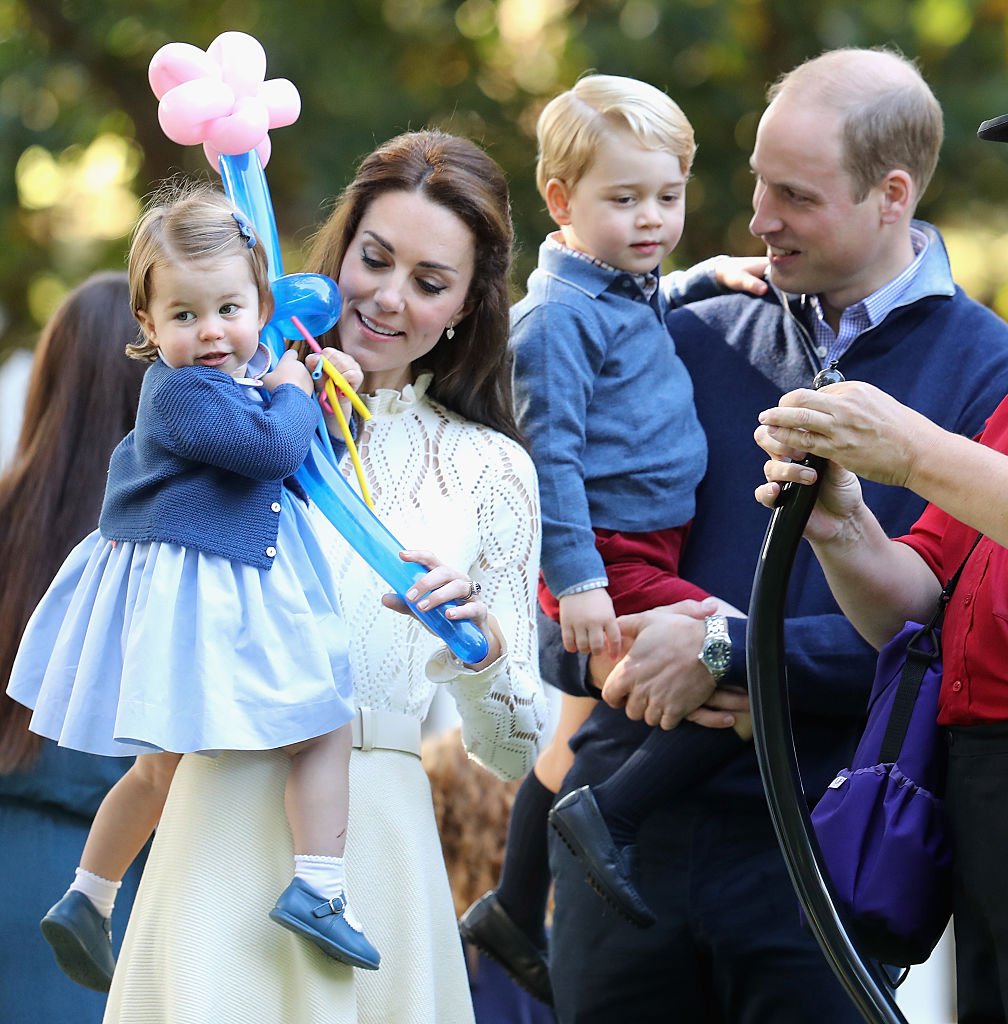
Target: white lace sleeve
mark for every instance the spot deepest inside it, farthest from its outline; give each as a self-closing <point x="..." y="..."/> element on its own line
<point x="503" y="707"/>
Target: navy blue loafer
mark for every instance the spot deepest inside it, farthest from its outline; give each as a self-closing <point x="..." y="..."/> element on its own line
<point x="578" y="820"/>
<point x="491" y="929"/>
<point x="82" y="941"/>
<point x="301" y="909"/>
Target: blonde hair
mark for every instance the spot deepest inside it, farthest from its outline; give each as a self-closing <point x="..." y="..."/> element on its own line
<point x="472" y="808"/>
<point x="572" y="124"/>
<point x="891" y="118"/>
<point x="189" y="221"/>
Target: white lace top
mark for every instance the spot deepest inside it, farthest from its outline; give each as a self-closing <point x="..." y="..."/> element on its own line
<point x="470" y="495"/>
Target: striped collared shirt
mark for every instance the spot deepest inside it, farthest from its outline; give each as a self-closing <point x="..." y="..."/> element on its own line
<point x="863" y="315"/>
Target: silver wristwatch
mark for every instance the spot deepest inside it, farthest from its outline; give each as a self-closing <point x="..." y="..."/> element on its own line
<point x="717" y="646"/>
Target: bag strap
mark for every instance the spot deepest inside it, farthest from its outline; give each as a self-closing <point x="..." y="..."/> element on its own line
<point x="922" y="649"/>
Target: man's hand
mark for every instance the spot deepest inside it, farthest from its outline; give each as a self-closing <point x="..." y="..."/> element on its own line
<point x="726" y="709"/>
<point x="660" y="678"/>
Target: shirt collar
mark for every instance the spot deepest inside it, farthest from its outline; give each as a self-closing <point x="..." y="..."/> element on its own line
<point x="928" y="274"/>
<point x="648" y="283"/>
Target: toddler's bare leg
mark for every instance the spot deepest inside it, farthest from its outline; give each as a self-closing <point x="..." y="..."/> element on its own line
<point x="128" y="815"/>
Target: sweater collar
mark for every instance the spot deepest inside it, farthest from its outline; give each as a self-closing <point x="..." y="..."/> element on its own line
<point x="387" y="401"/>
<point x="590" y="276"/>
<point x="933" y="278"/>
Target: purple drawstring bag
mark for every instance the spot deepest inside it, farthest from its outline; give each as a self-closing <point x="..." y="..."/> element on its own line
<point x="881" y="822"/>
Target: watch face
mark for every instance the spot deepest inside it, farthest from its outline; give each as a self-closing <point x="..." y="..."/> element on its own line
<point x="717" y="656"/>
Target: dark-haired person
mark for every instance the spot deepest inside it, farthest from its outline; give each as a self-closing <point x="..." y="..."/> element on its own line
<point x="81" y="401"/>
<point x="420" y="246"/>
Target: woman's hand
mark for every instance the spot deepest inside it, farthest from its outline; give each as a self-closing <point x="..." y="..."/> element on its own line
<point x="839" y="500"/>
<point x="441" y="584"/>
<point x="289" y="370"/>
<point x="346" y="365"/>
<point x="854" y="424"/>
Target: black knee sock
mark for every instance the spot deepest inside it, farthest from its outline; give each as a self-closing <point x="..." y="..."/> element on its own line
<point x="666" y="763"/>
<point x="525" y="876"/>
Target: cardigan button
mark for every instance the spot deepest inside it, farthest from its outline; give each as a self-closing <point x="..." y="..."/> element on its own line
<point x="271" y="552"/>
<point x="275" y="507"/>
<point x="957" y="686"/>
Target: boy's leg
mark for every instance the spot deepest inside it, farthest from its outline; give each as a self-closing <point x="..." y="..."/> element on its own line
<point x="523" y="888"/>
<point x="600" y="823"/>
<point x="664" y="765"/>
<point x="508" y="923"/>
<point x="643" y="573"/>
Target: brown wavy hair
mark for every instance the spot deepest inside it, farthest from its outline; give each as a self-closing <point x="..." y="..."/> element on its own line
<point x="472" y="372"/>
<point x="81" y="401"/>
<point x="472" y="808"/>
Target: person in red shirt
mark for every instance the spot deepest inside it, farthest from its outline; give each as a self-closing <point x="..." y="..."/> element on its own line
<point x="880" y="583"/>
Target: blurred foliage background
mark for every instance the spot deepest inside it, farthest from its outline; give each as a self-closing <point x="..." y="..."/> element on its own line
<point x="80" y="144"/>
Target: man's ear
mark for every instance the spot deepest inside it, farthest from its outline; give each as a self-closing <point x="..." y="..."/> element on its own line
<point x="558" y="201"/>
<point x="898" y="195"/>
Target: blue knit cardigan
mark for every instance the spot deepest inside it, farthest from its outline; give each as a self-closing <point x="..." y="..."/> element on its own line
<point x="205" y="463"/>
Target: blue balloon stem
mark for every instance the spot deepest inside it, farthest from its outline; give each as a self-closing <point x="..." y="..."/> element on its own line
<point x="376" y="544"/>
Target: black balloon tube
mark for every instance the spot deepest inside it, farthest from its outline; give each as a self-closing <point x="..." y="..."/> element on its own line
<point x="864" y="981"/>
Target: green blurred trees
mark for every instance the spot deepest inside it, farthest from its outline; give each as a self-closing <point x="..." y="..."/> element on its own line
<point x="80" y="141"/>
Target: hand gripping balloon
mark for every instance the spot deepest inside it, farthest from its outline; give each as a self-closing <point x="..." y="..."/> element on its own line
<point x="220" y="99"/>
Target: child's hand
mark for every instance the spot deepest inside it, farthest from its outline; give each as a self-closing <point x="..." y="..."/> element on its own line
<point x="441" y="584"/>
<point x="741" y="273"/>
<point x="290" y="370"/>
<point x="588" y="623"/>
<point x="346" y="365"/>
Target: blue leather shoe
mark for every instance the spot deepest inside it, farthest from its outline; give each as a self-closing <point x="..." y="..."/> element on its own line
<point x="82" y="941"/>
<point x="578" y="820"/>
<point x="301" y="909"/>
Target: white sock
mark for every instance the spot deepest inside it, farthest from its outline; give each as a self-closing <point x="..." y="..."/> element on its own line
<point x="100" y="891"/>
<point x="327" y="877"/>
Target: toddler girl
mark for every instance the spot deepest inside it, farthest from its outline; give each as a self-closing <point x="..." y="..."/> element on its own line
<point x="200" y="616"/>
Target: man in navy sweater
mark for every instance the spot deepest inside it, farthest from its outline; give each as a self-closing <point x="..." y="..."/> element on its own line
<point x="843" y="152"/>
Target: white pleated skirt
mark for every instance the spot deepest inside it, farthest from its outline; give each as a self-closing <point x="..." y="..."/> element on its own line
<point x="200" y="947"/>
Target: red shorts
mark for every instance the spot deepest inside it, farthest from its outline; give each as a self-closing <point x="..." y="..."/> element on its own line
<point x="643" y="571"/>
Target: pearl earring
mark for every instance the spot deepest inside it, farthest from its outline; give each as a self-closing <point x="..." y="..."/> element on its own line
<point x="450" y="332"/>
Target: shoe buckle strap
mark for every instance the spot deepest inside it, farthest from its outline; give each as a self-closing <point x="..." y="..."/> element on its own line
<point x="334" y="906"/>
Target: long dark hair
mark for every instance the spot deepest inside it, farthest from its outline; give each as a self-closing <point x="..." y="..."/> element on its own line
<point x="81" y="401"/>
<point x="472" y="372"/>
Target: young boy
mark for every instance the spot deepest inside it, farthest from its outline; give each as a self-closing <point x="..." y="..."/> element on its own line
<point x="607" y="407"/>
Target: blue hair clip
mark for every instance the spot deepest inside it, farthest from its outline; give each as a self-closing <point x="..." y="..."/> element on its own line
<point x="245" y="228"/>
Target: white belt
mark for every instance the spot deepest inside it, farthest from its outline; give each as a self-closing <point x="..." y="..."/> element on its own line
<point x="385" y="730"/>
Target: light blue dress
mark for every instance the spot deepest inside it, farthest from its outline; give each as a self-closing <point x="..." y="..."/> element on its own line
<point x="140" y="647"/>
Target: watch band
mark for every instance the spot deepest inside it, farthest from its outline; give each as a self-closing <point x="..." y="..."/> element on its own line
<point x="717" y="645"/>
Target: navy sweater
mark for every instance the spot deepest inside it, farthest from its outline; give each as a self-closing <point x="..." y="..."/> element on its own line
<point x="944" y="355"/>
